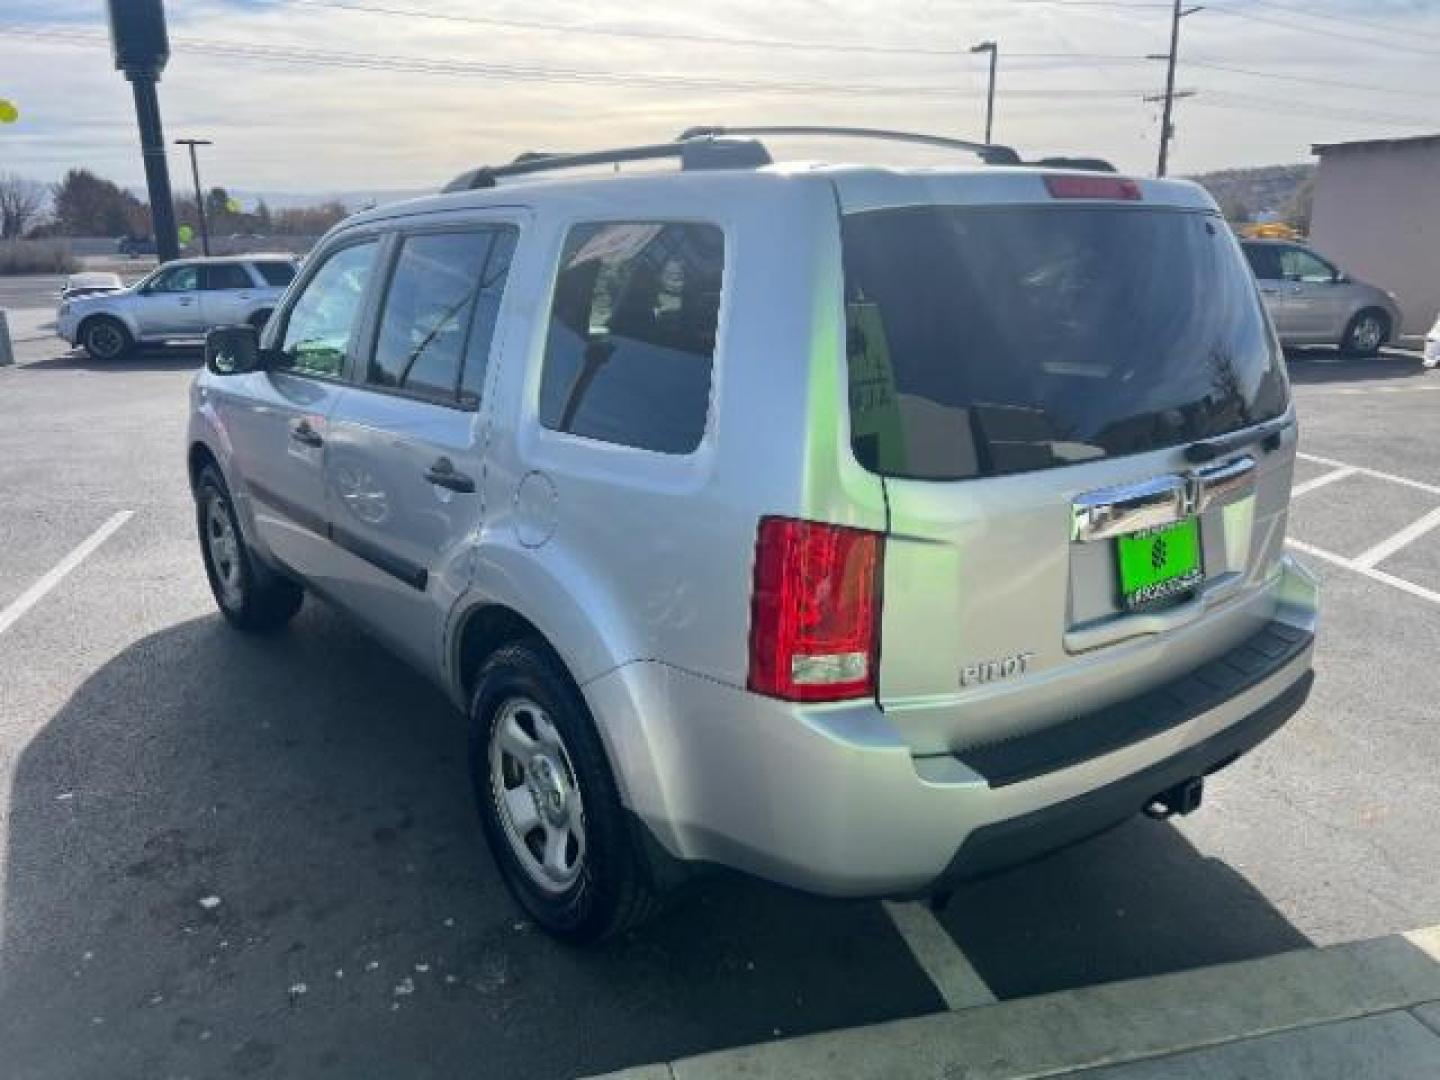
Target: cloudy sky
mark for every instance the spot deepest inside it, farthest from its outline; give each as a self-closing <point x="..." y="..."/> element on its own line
<point x="325" y="95"/>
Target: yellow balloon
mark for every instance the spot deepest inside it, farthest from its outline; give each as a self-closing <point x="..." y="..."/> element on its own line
<point x="233" y="205"/>
<point x="8" y="112"/>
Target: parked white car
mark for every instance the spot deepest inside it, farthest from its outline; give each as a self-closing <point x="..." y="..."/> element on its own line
<point x="178" y="301"/>
<point x="1432" y="345"/>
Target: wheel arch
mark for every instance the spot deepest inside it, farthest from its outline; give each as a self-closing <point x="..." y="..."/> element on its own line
<point x="107" y="313"/>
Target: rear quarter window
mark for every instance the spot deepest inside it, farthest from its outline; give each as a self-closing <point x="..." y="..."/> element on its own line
<point x="631" y="341"/>
<point x="992" y="340"/>
<point x="276" y="274"/>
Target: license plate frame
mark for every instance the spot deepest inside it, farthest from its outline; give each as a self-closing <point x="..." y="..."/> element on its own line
<point x="1157" y="564"/>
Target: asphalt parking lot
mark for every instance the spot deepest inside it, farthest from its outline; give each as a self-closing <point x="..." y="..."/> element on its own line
<point x="231" y="857"/>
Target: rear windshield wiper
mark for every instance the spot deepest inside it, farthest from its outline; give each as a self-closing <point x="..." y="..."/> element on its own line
<point x="1210" y="449"/>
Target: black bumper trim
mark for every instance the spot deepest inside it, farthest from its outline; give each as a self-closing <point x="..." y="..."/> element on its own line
<point x="1020" y="839"/>
<point x="1025" y="757"/>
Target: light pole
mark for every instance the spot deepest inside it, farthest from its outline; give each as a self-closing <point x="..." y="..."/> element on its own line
<point x="199" y="196"/>
<point x="994" y="50"/>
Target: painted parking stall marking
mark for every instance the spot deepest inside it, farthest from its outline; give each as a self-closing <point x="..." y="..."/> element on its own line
<point x="941" y="958"/>
<point x="1367" y="562"/>
<point x="56" y="574"/>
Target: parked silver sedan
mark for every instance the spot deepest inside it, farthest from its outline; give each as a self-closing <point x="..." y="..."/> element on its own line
<point x="1313" y="302"/>
<point x="180" y="300"/>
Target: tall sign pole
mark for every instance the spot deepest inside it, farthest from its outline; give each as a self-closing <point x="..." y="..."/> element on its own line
<point x="142" y="48"/>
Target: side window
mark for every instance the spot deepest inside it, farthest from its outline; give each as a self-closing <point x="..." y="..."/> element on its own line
<point x="1298" y="264"/>
<point x="276" y="274"/>
<point x="225" y="276"/>
<point x="1264" y="261"/>
<point x="631" y="342"/>
<point x="180" y="279"/>
<point x="440" y="306"/>
<point x="322" y="322"/>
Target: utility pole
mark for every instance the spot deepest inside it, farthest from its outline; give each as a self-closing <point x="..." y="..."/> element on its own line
<point x="1167" y="129"/>
<point x="142" y="48"/>
<point x="199" y="195"/>
<point x="993" y="49"/>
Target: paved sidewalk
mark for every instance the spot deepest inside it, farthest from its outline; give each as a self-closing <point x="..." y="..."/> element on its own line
<point x="1366" y="1009"/>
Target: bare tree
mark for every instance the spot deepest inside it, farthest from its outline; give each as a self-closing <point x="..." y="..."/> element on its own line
<point x="20" y="203"/>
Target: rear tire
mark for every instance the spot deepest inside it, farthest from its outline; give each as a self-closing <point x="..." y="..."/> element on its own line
<point x="105" y="339"/>
<point x="543" y="787"/>
<point x="251" y="597"/>
<point x="1366" y="332"/>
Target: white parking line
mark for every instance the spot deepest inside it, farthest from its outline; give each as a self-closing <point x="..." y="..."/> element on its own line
<point x="936" y="952"/>
<point x="1321" y="480"/>
<point x="33" y="595"/>
<point x="1389" y="546"/>
<point x="1418" y="485"/>
<point x="1368" y="571"/>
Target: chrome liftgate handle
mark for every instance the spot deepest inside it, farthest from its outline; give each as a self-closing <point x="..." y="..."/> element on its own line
<point x="1163" y="500"/>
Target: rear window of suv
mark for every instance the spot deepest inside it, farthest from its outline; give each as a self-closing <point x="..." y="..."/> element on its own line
<point x="277" y="274"/>
<point x="993" y="340"/>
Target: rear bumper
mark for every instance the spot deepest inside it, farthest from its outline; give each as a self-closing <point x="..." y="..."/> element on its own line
<point x="1022" y="838"/>
<point x="831" y="800"/>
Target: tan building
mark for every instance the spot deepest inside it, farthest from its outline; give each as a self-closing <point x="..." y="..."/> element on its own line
<point x="1377" y="214"/>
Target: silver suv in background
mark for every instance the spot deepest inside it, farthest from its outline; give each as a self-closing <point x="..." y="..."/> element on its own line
<point x="1314" y="302"/>
<point x="864" y="529"/>
<point x="178" y="301"/>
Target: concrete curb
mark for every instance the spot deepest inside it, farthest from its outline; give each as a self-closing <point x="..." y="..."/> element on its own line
<point x="1056" y="1034"/>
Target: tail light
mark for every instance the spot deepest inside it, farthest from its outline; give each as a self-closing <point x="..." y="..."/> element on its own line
<point x="815" y="611"/>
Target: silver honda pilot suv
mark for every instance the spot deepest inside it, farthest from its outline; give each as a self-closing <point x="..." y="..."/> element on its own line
<point x="863" y="529"/>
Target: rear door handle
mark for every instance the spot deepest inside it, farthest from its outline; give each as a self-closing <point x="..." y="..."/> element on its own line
<point x="443" y="474"/>
<point x="302" y="432"/>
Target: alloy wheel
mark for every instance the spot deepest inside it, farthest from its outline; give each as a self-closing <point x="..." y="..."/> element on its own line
<point x="537" y="797"/>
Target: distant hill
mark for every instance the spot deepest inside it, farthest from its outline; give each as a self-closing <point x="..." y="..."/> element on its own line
<point x="1261" y="193"/>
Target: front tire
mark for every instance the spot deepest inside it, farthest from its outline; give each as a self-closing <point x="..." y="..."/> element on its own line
<point x="548" y="802"/>
<point x="105" y="339"/>
<point x="1365" y="333"/>
<point x="259" y="319"/>
<point x="250" y="597"/>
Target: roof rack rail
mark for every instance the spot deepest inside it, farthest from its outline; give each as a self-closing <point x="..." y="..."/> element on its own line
<point x="990" y="153"/>
<point x="1085" y="164"/>
<point x="696" y="153"/>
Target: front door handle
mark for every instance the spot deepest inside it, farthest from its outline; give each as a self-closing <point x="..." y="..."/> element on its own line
<point x="443" y="474"/>
<point x="302" y="432"/>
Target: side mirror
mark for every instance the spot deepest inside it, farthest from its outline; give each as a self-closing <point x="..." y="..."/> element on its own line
<point x="1341" y="278"/>
<point x="233" y="350"/>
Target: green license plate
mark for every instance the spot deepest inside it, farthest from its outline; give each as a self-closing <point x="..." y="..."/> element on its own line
<point x="1159" y="563"/>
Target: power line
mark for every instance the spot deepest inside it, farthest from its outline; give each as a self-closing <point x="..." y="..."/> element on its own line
<point x="1367" y="87"/>
<point x="1344" y="20"/>
<point x="525" y="72"/>
<point x="1321" y="31"/>
<point x="1221" y="98"/>
<point x="511" y="23"/>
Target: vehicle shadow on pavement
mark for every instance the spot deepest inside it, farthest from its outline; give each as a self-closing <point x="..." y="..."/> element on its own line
<point x="236" y="856"/>
<point x="1138" y="900"/>
<point x="158" y="358"/>
<point x="1325" y="365"/>
<point x="241" y="856"/>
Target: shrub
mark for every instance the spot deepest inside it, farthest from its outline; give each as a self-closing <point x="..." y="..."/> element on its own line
<point x="36" y="257"/>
